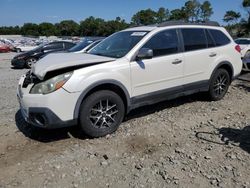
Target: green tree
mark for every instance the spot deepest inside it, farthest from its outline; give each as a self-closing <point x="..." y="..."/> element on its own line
<point x="144" y="17"/>
<point x="68" y="28"/>
<point x="231" y="17"/>
<point x="192" y="9"/>
<point x="30" y="29"/>
<point x="178" y="14"/>
<point x="113" y="26"/>
<point x="206" y="11"/>
<point x="47" y="29"/>
<point x="10" y="30"/>
<point x="246" y="4"/>
<point x="162" y="15"/>
<point x="92" y="26"/>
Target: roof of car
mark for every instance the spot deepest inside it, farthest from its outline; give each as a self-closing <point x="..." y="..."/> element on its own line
<point x="173" y="23"/>
<point x="142" y="28"/>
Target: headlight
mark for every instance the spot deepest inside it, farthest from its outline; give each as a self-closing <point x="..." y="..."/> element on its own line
<point x="51" y="85"/>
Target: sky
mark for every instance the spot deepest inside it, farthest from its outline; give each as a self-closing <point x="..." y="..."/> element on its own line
<point x="18" y="12"/>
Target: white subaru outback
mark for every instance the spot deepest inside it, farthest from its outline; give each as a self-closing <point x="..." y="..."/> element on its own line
<point x="132" y="68"/>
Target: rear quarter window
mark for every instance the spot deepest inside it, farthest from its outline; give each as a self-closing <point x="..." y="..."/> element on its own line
<point x="219" y="37"/>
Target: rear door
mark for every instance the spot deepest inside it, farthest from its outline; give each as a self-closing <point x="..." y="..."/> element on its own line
<point x="199" y="54"/>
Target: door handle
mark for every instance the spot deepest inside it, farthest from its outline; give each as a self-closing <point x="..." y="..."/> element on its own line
<point x="177" y="61"/>
<point x="213" y="54"/>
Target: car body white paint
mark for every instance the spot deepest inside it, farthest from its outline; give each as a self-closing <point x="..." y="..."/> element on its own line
<point x="138" y="79"/>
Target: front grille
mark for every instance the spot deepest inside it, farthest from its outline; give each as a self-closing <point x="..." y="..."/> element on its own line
<point x="29" y="79"/>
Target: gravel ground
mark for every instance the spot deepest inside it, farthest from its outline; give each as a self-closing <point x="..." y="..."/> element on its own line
<point x="187" y="142"/>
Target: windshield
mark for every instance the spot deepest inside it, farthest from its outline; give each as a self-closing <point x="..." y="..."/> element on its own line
<point x="80" y="45"/>
<point x="118" y="44"/>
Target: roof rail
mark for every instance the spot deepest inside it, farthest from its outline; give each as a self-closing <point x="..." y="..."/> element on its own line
<point x="183" y="22"/>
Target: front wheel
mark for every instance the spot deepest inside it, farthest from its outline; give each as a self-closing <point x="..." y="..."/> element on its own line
<point x="101" y="113"/>
<point x="30" y="62"/>
<point x="219" y="85"/>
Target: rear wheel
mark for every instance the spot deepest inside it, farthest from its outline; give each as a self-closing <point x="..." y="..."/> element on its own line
<point x="30" y="62"/>
<point x="219" y="85"/>
<point x="101" y="113"/>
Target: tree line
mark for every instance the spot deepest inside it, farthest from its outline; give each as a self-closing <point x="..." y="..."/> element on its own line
<point x="192" y="11"/>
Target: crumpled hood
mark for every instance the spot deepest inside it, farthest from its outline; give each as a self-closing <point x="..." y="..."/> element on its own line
<point x="58" y="61"/>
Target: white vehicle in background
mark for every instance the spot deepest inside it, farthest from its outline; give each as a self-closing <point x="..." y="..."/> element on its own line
<point x="85" y="45"/>
<point x="245" y="46"/>
<point x="89" y="47"/>
<point x="25" y="48"/>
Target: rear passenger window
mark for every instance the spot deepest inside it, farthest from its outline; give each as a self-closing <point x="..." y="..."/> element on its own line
<point x="219" y="37"/>
<point x="164" y="43"/>
<point x="194" y="39"/>
<point x="210" y="41"/>
<point x="68" y="45"/>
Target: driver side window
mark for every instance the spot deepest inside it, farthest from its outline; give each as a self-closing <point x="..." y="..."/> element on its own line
<point x="164" y="43"/>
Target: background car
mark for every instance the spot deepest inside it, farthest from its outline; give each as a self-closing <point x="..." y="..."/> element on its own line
<point x="80" y="47"/>
<point x="4" y="48"/>
<point x="24" y="48"/>
<point x="27" y="59"/>
<point x="89" y="47"/>
<point x="244" y="45"/>
<point x="246" y="64"/>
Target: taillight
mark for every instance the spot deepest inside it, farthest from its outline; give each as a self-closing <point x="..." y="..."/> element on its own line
<point x="237" y="48"/>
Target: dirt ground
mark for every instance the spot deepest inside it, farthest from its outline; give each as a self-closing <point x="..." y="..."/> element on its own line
<point x="187" y="142"/>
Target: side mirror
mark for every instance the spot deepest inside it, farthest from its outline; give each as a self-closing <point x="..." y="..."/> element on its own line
<point x="145" y="53"/>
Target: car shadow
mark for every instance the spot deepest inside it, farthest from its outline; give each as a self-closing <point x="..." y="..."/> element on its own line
<point x="16" y="68"/>
<point x="243" y="86"/>
<point x="150" y="109"/>
<point x="45" y="135"/>
<point x="237" y="137"/>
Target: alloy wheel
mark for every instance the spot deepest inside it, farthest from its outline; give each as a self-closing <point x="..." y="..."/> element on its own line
<point x="103" y="114"/>
<point x="221" y="84"/>
<point x="31" y="62"/>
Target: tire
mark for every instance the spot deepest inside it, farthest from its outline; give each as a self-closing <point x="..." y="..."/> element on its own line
<point x="219" y="85"/>
<point x="101" y="113"/>
<point x="30" y="62"/>
<point x="18" y="50"/>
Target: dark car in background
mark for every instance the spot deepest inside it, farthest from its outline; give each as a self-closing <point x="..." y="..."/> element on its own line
<point x="27" y="59"/>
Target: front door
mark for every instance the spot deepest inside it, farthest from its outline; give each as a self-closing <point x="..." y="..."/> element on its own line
<point x="164" y="71"/>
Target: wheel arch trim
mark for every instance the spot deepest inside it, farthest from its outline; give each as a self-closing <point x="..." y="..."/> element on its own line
<point x="96" y="84"/>
<point x="221" y="64"/>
